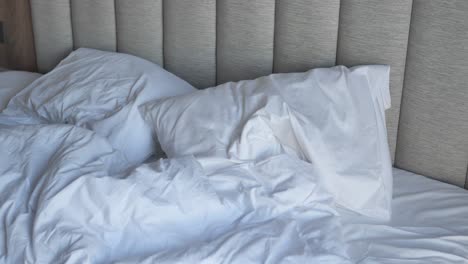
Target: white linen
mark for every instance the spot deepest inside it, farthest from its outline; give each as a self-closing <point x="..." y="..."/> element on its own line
<point x="429" y="225"/>
<point x="36" y="164"/>
<point x="331" y="117"/>
<point x="100" y="91"/>
<point x="12" y="82"/>
<point x="65" y="199"/>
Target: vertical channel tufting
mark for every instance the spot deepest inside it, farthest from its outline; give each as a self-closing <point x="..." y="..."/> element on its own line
<point x="306" y="34"/>
<point x="433" y="134"/>
<point x="93" y="24"/>
<point x="140" y="28"/>
<point x="376" y="32"/>
<point x="190" y="40"/>
<point x="52" y="32"/>
<point x="245" y="39"/>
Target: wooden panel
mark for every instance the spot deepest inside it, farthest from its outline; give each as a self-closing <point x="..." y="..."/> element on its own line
<point x="3" y="56"/>
<point x="3" y="51"/>
<point x="2" y="10"/>
<point x="19" y="46"/>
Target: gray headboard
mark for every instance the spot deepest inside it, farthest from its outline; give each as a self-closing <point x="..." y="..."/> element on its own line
<point x="208" y="42"/>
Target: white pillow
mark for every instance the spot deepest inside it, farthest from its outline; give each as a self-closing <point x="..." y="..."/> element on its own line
<point x="332" y="117"/>
<point x="204" y="123"/>
<point x="11" y="82"/>
<point x="339" y="122"/>
<point x="101" y="91"/>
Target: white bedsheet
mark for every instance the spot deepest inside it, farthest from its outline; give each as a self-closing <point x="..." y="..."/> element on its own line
<point x="429" y="225"/>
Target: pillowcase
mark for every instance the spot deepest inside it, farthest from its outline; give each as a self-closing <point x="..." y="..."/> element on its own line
<point x="11" y="82"/>
<point x="100" y="91"/>
<point x="332" y="117"/>
<point x="204" y="123"/>
<point x="339" y="121"/>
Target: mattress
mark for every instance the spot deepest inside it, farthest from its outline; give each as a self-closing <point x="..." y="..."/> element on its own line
<point x="429" y="225"/>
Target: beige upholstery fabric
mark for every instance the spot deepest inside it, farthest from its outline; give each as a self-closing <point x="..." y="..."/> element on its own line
<point x="433" y="137"/>
<point x="94" y="24"/>
<point x="306" y="32"/>
<point x="208" y="42"/>
<point x="376" y="31"/>
<point x="190" y="40"/>
<point x="52" y="32"/>
<point x="140" y="28"/>
<point x="245" y="39"/>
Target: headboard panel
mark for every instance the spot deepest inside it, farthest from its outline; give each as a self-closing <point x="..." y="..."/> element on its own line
<point x="245" y="39"/>
<point x="93" y="24"/>
<point x="140" y="29"/>
<point x="190" y="40"/>
<point x="433" y="138"/>
<point x="306" y="34"/>
<point x="52" y="26"/>
<point x="208" y="42"/>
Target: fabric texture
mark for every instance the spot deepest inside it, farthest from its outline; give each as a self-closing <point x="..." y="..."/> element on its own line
<point x="53" y="38"/>
<point x="190" y="40"/>
<point x="100" y="91"/>
<point x="329" y="116"/>
<point x="94" y="24"/>
<point x="12" y="82"/>
<point x="245" y="39"/>
<point x="433" y="137"/>
<point x="140" y="29"/>
<point x="306" y="34"/>
<point x="65" y="199"/>
<point x="428" y="225"/>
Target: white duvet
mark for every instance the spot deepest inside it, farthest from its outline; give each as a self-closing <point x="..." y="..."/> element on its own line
<point x="68" y="197"/>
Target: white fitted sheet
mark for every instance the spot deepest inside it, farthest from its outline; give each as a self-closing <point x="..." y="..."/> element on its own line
<point x="429" y="225"/>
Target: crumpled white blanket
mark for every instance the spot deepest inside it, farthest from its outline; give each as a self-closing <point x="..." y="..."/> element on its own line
<point x="66" y="198"/>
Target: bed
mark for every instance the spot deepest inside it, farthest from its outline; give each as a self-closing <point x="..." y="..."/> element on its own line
<point x="120" y="90"/>
<point x="428" y="225"/>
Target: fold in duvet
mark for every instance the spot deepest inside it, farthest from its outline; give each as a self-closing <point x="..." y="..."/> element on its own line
<point x="68" y="197"/>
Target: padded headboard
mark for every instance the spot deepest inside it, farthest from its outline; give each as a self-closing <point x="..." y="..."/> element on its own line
<point x="208" y="42"/>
